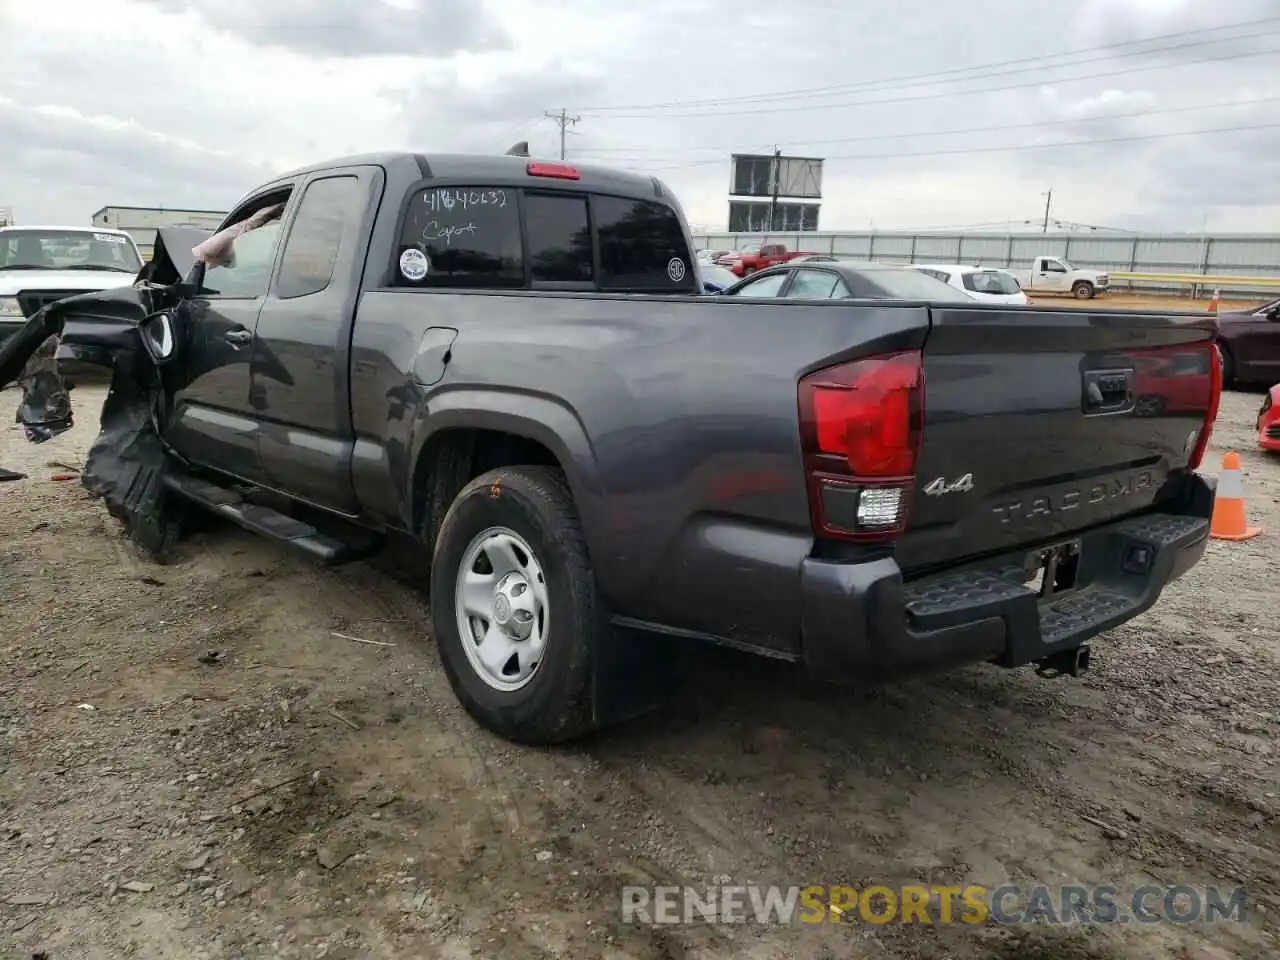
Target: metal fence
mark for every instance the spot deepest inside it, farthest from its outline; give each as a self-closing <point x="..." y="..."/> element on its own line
<point x="1237" y="255"/>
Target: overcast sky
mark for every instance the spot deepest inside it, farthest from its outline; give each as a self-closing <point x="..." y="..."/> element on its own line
<point x="181" y="104"/>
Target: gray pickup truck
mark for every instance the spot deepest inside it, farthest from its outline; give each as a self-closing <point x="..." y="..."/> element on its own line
<point x="510" y="361"/>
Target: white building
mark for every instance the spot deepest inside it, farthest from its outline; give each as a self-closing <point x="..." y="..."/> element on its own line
<point x="142" y="222"/>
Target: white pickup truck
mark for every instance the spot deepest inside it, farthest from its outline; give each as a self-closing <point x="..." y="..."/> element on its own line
<point x="39" y="265"/>
<point x="1055" y="276"/>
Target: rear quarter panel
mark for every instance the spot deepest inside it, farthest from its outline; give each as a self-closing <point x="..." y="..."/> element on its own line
<point x="675" y="420"/>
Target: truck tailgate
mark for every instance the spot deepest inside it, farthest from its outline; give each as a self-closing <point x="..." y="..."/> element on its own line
<point x="1039" y="424"/>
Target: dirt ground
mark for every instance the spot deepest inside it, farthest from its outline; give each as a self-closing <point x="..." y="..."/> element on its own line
<point x="196" y="761"/>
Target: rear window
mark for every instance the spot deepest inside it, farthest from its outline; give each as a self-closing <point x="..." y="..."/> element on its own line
<point x="907" y="284"/>
<point x="642" y="246"/>
<point x="461" y="237"/>
<point x="509" y="238"/>
<point x="559" y="238"/>
<point x="989" y="281"/>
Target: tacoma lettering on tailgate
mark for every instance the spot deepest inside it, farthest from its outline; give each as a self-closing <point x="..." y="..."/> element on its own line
<point x="1060" y="501"/>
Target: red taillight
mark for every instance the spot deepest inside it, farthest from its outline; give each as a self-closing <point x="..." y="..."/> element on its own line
<point x="860" y="430"/>
<point x="1211" y="413"/>
<point x="556" y="171"/>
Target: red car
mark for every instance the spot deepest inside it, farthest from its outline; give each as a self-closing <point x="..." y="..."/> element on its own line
<point x="755" y="257"/>
<point x="1269" y="421"/>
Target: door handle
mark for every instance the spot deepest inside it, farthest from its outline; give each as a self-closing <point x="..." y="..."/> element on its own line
<point x="237" y="337"/>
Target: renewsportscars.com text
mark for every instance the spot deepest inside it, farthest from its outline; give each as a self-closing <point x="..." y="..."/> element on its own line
<point x="972" y="904"/>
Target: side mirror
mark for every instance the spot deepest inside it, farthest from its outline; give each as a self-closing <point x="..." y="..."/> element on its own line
<point x="193" y="283"/>
<point x="159" y="334"/>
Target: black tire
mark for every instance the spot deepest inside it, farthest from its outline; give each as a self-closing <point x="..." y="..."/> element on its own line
<point x="1228" y="366"/>
<point x="534" y="502"/>
<point x="1083" y="290"/>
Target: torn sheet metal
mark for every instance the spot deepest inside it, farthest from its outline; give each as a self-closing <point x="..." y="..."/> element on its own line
<point x="45" y="408"/>
<point x="126" y="465"/>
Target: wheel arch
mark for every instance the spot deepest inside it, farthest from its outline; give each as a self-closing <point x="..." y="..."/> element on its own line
<point x="466" y="433"/>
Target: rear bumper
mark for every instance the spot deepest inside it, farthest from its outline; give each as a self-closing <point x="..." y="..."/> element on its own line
<point x="861" y="620"/>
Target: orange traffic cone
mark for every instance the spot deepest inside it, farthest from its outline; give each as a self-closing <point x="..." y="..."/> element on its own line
<point x="1228" y="507"/>
<point x="1213" y="304"/>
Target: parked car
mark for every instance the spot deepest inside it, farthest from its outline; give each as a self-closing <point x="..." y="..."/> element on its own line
<point x="1250" y="344"/>
<point x="1268" y="423"/>
<point x="711" y="256"/>
<point x="39" y="265"/>
<point x="757" y="256"/>
<point x="715" y="279"/>
<point x="1057" y="276"/>
<point x="826" y="278"/>
<point x="511" y="361"/>
<point x="984" y="284"/>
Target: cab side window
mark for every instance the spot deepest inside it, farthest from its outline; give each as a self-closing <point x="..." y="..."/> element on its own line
<point x="330" y="207"/>
<point x="239" y="257"/>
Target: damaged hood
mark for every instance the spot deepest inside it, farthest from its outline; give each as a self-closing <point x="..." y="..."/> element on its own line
<point x="171" y="257"/>
<point x="93" y="326"/>
<point x="13" y="282"/>
<point x="102" y="324"/>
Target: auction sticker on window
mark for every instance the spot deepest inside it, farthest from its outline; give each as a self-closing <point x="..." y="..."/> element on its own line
<point x="675" y="269"/>
<point x="414" y="264"/>
<point x="109" y="237"/>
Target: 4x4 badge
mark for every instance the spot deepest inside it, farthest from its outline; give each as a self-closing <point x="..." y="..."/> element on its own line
<point x="940" y="487"/>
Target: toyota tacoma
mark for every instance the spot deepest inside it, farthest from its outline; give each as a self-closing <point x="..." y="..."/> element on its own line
<point x="510" y="361"/>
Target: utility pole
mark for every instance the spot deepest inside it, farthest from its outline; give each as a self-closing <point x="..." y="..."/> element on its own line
<point x="1048" y="199"/>
<point x="776" y="177"/>
<point x="563" y="121"/>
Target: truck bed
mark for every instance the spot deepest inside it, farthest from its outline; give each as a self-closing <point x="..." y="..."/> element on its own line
<point x="677" y="423"/>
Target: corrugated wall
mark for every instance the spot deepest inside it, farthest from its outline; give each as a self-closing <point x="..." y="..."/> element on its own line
<point x="1233" y="254"/>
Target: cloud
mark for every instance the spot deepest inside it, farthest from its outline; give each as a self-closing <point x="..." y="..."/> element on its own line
<point x="932" y="115"/>
<point x="354" y="28"/>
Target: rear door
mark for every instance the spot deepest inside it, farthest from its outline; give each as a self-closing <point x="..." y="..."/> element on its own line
<point x="300" y="391"/>
<point x="1039" y="424"/>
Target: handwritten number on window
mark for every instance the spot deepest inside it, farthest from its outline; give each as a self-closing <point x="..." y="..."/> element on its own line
<point x="443" y="199"/>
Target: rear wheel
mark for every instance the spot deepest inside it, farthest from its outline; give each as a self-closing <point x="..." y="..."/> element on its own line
<point x="1083" y="290"/>
<point x="515" y="609"/>
<point x="1228" y="365"/>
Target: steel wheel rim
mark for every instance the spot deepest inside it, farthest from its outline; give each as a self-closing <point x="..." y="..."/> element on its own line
<point x="502" y="608"/>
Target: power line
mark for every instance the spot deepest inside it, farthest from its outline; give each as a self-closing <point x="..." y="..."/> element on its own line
<point x="937" y="76"/>
<point x="563" y="120"/>
<point x="1011" y="149"/>
<point x="639" y="150"/>
<point x="946" y="94"/>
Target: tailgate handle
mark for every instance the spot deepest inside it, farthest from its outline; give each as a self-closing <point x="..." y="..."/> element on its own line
<point x="1108" y="391"/>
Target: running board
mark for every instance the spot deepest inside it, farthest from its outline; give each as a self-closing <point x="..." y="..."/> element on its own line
<point x="270" y="523"/>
